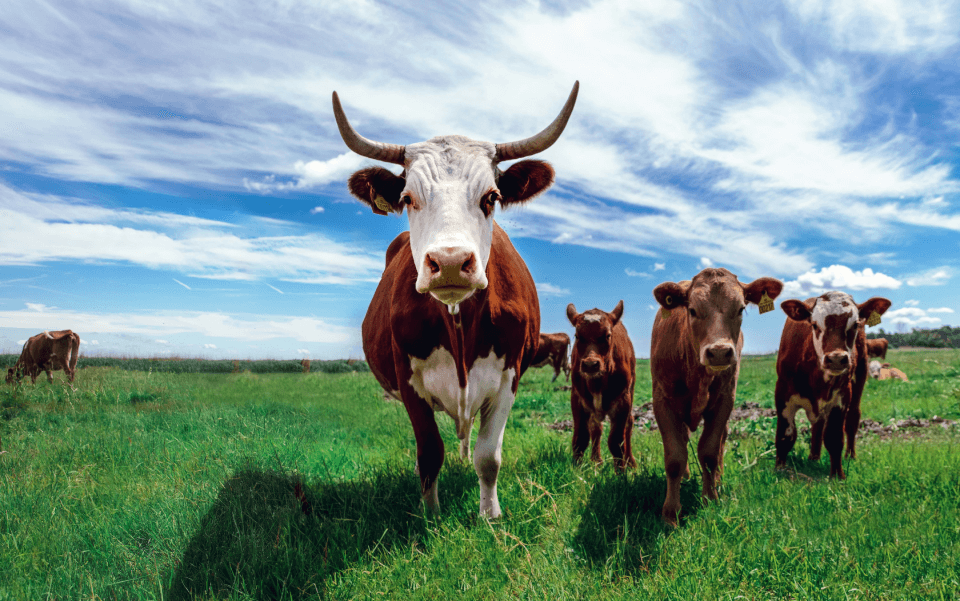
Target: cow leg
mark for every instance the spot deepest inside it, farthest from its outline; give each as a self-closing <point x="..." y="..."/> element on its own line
<point x="487" y="451"/>
<point x="833" y="440"/>
<point x="674" y="434"/>
<point x="621" y="431"/>
<point x="786" y="435"/>
<point x="595" y="424"/>
<point x="465" y="441"/>
<point x="581" y="431"/>
<point x="429" y="443"/>
<point x="816" y="436"/>
<point x="851" y="425"/>
<point x="710" y="449"/>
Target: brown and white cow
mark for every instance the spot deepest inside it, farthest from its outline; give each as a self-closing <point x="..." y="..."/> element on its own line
<point x="884" y="371"/>
<point x="47" y="352"/>
<point x="877" y="347"/>
<point x="694" y="364"/>
<point x="822" y="369"/>
<point x="455" y="320"/>
<point x="553" y="352"/>
<point x="604" y="371"/>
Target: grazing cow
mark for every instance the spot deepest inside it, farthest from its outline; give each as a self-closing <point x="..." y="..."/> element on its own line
<point x="553" y="351"/>
<point x="694" y="364"/>
<point x="47" y="352"/>
<point x="305" y="364"/>
<point x="877" y="347"/>
<point x="822" y="369"/>
<point x="885" y="372"/>
<point x="455" y="320"/>
<point x="604" y="372"/>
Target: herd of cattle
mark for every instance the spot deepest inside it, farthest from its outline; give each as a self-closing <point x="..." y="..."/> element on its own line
<point x="455" y="322"/>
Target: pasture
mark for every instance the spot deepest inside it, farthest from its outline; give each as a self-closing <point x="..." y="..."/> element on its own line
<point x="150" y="485"/>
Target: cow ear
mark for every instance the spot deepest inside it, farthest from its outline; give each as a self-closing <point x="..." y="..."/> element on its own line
<point x="877" y="304"/>
<point x="796" y="310"/>
<point x="524" y="180"/>
<point x="379" y="189"/>
<point x="572" y="314"/>
<point x="617" y="312"/>
<point x="670" y="295"/>
<point x="755" y="290"/>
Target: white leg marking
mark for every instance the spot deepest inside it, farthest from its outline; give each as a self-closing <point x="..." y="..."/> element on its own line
<point x="487" y="453"/>
<point x="794" y="404"/>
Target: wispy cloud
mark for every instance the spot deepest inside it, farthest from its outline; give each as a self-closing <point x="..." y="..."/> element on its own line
<point x="933" y="277"/>
<point x="547" y="289"/>
<point x="182" y="284"/>
<point x="837" y="277"/>
<point x="275" y="289"/>
<point x="910" y="317"/>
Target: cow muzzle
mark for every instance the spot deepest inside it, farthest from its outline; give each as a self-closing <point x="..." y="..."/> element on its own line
<point x="836" y="363"/>
<point x="718" y="357"/>
<point x="450" y="274"/>
<point x="591" y="367"/>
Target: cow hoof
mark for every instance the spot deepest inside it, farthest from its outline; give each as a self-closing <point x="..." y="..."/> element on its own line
<point x="814" y="458"/>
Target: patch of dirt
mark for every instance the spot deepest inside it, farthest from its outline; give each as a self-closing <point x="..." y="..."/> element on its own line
<point x="644" y="419"/>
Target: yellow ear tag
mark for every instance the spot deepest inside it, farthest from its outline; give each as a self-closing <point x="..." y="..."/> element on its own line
<point x="382" y="204"/>
<point x="765" y="304"/>
<point x="874" y="319"/>
<point x="665" y="312"/>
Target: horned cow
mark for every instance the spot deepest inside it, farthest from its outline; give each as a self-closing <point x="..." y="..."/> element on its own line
<point x="455" y="319"/>
<point x="694" y="364"/>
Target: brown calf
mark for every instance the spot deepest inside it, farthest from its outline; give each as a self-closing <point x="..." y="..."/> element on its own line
<point x="553" y="351"/>
<point x="877" y="347"/>
<point x="694" y="363"/>
<point x="47" y="352"/>
<point x="822" y="369"/>
<point x="604" y="371"/>
<point x="885" y="372"/>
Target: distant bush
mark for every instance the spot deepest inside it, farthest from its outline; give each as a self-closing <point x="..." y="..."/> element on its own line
<point x="209" y="366"/>
<point x="943" y="337"/>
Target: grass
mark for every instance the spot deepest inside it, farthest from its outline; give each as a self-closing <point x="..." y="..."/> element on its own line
<point x="147" y="485"/>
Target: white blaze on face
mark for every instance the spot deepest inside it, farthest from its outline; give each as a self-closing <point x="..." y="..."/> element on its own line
<point x="832" y="303"/>
<point x="447" y="178"/>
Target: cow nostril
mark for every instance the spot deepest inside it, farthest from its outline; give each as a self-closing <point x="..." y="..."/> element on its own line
<point x="434" y="266"/>
<point x="468" y="265"/>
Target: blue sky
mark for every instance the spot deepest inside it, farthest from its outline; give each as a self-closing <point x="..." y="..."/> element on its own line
<point x="172" y="181"/>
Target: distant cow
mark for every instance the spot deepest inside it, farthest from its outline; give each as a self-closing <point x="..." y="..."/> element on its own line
<point x="885" y="372"/>
<point x="604" y="371"/>
<point x="455" y="319"/>
<point x="305" y="364"/>
<point x="553" y="351"/>
<point x="47" y="352"/>
<point x="694" y="364"/>
<point x="822" y="369"/>
<point x="877" y="347"/>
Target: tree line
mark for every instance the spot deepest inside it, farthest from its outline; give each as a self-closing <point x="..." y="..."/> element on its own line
<point x="943" y="337"/>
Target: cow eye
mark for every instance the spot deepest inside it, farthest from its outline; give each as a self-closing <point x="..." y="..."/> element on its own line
<point x="740" y="312"/>
<point x="489" y="201"/>
<point x="406" y="199"/>
<point x="692" y="312"/>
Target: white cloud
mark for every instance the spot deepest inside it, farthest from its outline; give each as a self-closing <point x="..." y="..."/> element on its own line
<point x="837" y="277"/>
<point x="910" y="317"/>
<point x="659" y="266"/>
<point x="38" y="307"/>
<point x="316" y="210"/>
<point x="22" y="342"/>
<point x="545" y="289"/>
<point x="275" y="289"/>
<point x="911" y="303"/>
<point x="209" y="346"/>
<point x="636" y="274"/>
<point x="933" y="277"/>
<point x="303" y="351"/>
<point x="704" y="263"/>
<point x="310" y="174"/>
<point x="940" y="310"/>
<point x="182" y="284"/>
<point x="158" y="341"/>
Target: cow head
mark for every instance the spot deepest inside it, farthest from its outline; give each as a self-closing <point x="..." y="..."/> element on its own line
<point x="874" y="368"/>
<point x="593" y="343"/>
<point x="13" y="375"/>
<point x="835" y="320"/>
<point x="714" y="302"/>
<point x="450" y="187"/>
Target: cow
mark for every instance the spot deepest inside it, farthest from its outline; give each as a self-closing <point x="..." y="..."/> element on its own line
<point x="885" y="372"/>
<point x="603" y="374"/>
<point x="694" y="364"/>
<point x="305" y="365"/>
<point x="48" y="351"/>
<point x="455" y="319"/>
<point x="877" y="347"/>
<point x="822" y="369"/>
<point x="553" y="351"/>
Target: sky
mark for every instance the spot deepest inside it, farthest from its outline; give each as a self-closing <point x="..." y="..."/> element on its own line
<point x="172" y="181"/>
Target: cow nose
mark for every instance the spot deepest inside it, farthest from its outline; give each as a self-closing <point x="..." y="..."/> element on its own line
<point x="719" y="355"/>
<point x="451" y="266"/>
<point x="590" y="366"/>
<point x="836" y="361"/>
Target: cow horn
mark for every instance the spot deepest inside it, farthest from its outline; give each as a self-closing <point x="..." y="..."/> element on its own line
<point x="389" y="153"/>
<point x="544" y="139"/>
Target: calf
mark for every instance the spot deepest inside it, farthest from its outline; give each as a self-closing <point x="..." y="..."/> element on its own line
<point x="694" y="363"/>
<point x="885" y="372"/>
<point x="604" y="371"/>
<point x="822" y="369"/>
<point x="553" y="351"/>
<point x="877" y="347"/>
<point x="47" y="352"/>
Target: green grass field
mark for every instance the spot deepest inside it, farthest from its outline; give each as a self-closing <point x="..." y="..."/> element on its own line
<point x="147" y="485"/>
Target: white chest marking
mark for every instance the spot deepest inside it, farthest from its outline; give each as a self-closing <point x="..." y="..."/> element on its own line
<point x="435" y="380"/>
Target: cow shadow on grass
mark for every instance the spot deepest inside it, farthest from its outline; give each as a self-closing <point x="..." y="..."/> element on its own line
<point x="268" y="535"/>
<point x="621" y="523"/>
